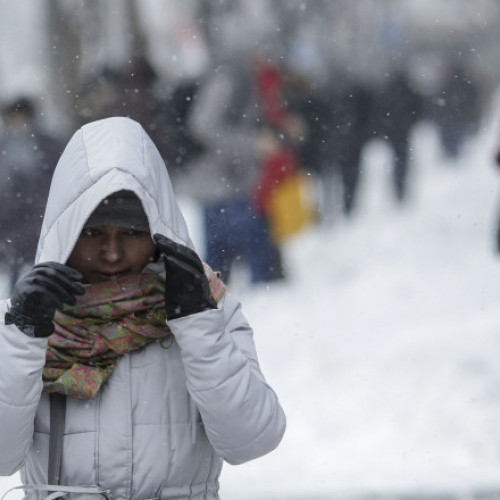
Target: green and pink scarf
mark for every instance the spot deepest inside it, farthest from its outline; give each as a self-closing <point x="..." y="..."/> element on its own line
<point x="112" y="318"/>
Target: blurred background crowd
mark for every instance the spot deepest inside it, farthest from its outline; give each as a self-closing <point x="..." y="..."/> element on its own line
<point x="260" y="108"/>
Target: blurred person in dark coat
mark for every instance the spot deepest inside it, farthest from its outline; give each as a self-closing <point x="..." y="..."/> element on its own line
<point x="28" y="156"/>
<point x="496" y="159"/>
<point x="334" y="108"/>
<point x="396" y="108"/>
<point x="457" y="109"/>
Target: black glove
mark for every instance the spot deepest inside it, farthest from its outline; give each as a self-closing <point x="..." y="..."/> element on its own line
<point x="37" y="295"/>
<point x="186" y="289"/>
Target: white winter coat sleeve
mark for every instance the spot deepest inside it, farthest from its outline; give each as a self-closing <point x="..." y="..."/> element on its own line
<point x="240" y="412"/>
<point x="21" y="361"/>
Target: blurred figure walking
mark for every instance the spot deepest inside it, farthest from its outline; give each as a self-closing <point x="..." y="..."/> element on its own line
<point x="456" y="109"/>
<point x="395" y="111"/>
<point x="225" y="120"/>
<point x="28" y="156"/>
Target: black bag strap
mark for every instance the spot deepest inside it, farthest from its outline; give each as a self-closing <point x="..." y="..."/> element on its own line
<point x="57" y="419"/>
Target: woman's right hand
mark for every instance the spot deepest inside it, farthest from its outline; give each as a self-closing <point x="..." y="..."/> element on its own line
<point x="37" y="295"/>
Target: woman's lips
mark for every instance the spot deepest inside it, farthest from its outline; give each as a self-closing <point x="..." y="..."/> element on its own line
<point x="107" y="276"/>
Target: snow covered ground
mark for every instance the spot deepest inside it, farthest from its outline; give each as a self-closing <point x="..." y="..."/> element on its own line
<point x="383" y="345"/>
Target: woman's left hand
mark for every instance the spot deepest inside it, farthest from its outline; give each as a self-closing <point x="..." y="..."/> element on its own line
<point x="186" y="288"/>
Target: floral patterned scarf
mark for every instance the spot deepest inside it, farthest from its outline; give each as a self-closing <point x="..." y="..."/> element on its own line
<point x="110" y="320"/>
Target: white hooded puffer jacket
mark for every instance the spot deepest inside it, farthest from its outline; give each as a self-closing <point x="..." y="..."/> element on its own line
<point x="163" y="422"/>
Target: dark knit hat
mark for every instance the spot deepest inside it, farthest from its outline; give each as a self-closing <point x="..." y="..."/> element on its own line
<point x="123" y="209"/>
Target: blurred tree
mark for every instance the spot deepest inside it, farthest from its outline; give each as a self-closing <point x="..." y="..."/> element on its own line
<point x="64" y="32"/>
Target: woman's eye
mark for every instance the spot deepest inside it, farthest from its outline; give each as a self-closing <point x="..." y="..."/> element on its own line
<point x="133" y="232"/>
<point x="88" y="231"/>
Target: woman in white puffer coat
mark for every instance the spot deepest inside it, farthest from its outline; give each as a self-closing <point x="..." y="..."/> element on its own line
<point x="155" y="358"/>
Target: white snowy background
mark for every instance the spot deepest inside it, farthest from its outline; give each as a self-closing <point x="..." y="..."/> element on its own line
<point x="383" y="345"/>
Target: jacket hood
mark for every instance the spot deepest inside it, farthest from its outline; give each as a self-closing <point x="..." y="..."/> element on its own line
<point x="101" y="158"/>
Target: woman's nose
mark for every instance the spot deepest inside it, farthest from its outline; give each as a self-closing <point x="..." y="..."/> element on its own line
<point x="112" y="250"/>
